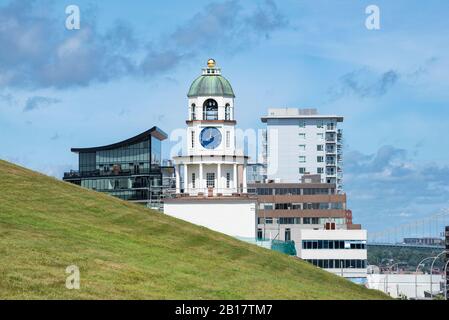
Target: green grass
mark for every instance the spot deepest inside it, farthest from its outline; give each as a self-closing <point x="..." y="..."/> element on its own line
<point x="125" y="251"/>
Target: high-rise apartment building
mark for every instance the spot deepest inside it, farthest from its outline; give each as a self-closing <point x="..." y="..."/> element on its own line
<point x="303" y="142"/>
<point x="302" y="200"/>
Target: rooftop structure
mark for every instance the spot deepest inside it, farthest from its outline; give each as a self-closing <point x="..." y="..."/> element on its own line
<point x="211" y="83"/>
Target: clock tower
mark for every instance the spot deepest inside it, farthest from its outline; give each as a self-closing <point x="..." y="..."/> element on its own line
<point x="211" y="186"/>
<point x="212" y="166"/>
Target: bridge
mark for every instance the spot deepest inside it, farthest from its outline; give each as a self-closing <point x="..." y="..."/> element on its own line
<point x="431" y="227"/>
<point x="405" y="245"/>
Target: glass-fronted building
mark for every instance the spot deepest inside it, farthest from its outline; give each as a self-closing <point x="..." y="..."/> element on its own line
<point x="129" y="170"/>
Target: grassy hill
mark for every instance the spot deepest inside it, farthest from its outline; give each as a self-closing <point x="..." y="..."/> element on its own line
<point x="125" y="251"/>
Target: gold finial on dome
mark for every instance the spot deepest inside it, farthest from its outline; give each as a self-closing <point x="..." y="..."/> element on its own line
<point x="211" y="63"/>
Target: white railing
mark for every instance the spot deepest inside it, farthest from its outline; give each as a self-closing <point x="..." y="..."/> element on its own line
<point x="213" y="191"/>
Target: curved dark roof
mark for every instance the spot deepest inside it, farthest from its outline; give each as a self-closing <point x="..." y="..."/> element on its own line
<point x="155" y="132"/>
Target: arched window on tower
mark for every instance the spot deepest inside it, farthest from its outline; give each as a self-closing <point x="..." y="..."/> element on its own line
<point x="227" y="112"/>
<point x="210" y="110"/>
<point x="192" y="110"/>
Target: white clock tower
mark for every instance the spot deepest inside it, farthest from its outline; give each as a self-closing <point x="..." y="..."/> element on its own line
<point x="211" y="186"/>
<point x="212" y="166"/>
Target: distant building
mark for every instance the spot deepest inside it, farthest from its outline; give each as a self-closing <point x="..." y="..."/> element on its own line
<point x="342" y="252"/>
<point x="316" y="218"/>
<point x="129" y="170"/>
<point x="256" y="173"/>
<point x="424" y="241"/>
<point x="302" y="142"/>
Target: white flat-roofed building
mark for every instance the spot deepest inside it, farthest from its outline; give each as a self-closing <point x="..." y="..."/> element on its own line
<point x="410" y="286"/>
<point x="342" y="252"/>
<point x="301" y="141"/>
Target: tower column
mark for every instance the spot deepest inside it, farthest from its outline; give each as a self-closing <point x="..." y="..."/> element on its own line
<point x="200" y="182"/>
<point x="186" y="179"/>
<point x="219" y="187"/>
<point x="234" y="179"/>
<point x="178" y="180"/>
<point x="245" y="189"/>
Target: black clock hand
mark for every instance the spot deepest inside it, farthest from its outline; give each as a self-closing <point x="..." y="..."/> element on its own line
<point x="210" y="140"/>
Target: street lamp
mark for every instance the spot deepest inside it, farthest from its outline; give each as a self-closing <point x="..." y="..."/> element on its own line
<point x="386" y="278"/>
<point x="341" y="265"/>
<point x="397" y="263"/>
<point x="445" y="280"/>
<point x="416" y="274"/>
<point x="431" y="271"/>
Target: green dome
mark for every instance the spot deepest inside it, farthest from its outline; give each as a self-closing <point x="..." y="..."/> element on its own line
<point x="211" y="85"/>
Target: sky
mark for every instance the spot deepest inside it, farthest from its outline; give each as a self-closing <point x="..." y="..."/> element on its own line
<point x="129" y="67"/>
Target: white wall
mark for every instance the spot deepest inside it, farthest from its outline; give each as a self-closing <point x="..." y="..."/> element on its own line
<point x="234" y="218"/>
<point x="412" y="286"/>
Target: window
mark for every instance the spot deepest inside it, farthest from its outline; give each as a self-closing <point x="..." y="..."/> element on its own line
<point x="320" y="136"/>
<point x="319" y="147"/>
<point x="302" y="135"/>
<point x="282" y="206"/>
<point x="269" y="220"/>
<point x="210" y="180"/>
<point x="320" y="170"/>
<point x="302" y="159"/>
<point x="210" y="110"/>
<point x="319" y="125"/>
<point x="265" y="191"/>
<point x="302" y="124"/>
<point x="288" y="235"/>
<point x="302" y="170"/>
<point x="227" y="112"/>
<point x="228" y="139"/>
<point x="193" y="114"/>
<point x="286" y="220"/>
<point x="333" y="244"/>
<point x="306" y="220"/>
<point x="320" y="159"/>
<point x="259" y="234"/>
<point x="193" y="181"/>
<point x="302" y="147"/>
<point x="193" y="139"/>
<point x="266" y="206"/>
<point x="228" y="180"/>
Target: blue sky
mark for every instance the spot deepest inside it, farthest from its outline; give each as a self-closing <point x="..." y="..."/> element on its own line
<point x="130" y="65"/>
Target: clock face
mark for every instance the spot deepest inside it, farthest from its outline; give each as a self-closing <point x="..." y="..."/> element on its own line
<point x="210" y="138"/>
